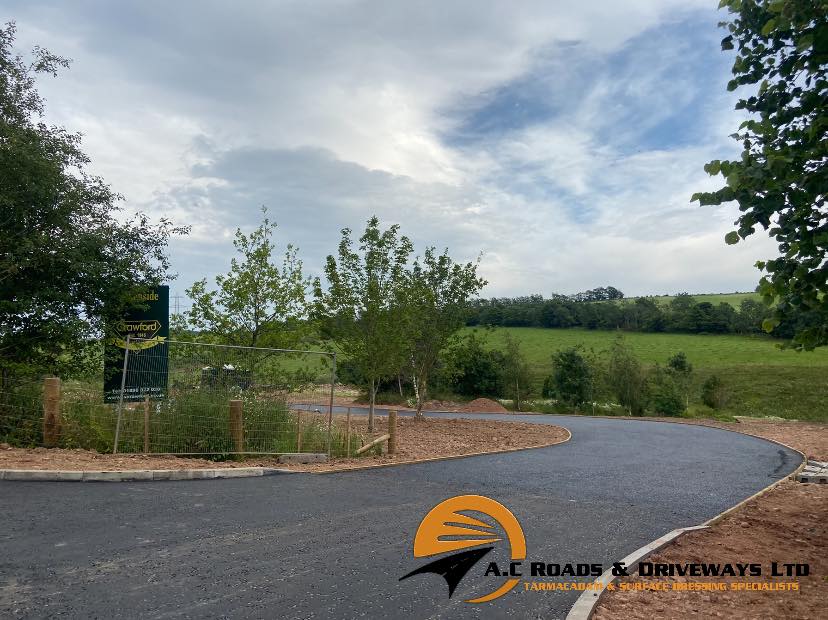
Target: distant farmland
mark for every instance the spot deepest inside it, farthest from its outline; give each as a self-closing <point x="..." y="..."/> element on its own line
<point x="734" y="299"/>
<point x="762" y="379"/>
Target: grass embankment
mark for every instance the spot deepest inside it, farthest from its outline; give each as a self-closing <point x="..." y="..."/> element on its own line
<point x="761" y="379"/>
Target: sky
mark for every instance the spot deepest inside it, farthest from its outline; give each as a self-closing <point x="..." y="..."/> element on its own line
<point x="560" y="142"/>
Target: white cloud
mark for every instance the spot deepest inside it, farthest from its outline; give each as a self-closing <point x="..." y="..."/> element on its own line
<point x="328" y="113"/>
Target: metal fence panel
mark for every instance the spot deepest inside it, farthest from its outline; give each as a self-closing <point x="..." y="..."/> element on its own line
<point x="286" y="400"/>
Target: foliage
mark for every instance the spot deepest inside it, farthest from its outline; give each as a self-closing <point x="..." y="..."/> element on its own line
<point x="257" y="303"/>
<point x="626" y="378"/>
<point x="761" y="378"/>
<point x="362" y="310"/>
<point x="472" y="369"/>
<point x="54" y="303"/>
<point x="666" y="395"/>
<point x="681" y="372"/>
<point x="437" y="294"/>
<point x="572" y="376"/>
<point x="781" y="179"/>
<point x="714" y="392"/>
<point x="682" y="313"/>
<point x="604" y="293"/>
<point x="516" y="375"/>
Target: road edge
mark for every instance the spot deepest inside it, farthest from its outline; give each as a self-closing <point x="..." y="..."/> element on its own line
<point x="439" y="458"/>
<point x="588" y="600"/>
<point x="135" y="475"/>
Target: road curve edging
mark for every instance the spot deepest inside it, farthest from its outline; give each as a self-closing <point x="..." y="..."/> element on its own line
<point x="445" y="458"/>
<point x="42" y="475"/>
<point x="587" y="601"/>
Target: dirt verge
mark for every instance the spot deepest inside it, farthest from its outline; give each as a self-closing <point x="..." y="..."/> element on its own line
<point x="789" y="524"/>
<point x="416" y="440"/>
<point x="430" y="438"/>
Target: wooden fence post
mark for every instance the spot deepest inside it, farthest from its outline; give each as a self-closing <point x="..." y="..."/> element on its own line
<point x="51" y="411"/>
<point x="392" y="432"/>
<point x="146" y="423"/>
<point x="348" y="434"/>
<point x="237" y="425"/>
<point x="298" y="431"/>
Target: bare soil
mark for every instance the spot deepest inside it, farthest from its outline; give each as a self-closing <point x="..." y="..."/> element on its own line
<point x="483" y="405"/>
<point x="428" y="438"/>
<point x="809" y="438"/>
<point x="89" y="460"/>
<point x="416" y="440"/>
<point x="787" y="524"/>
<point x="350" y="396"/>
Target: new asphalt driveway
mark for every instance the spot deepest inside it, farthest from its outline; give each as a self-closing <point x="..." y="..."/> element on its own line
<point x="335" y="545"/>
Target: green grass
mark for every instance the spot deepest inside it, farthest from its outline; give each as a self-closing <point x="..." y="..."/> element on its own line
<point x="188" y="421"/>
<point x="761" y="378"/>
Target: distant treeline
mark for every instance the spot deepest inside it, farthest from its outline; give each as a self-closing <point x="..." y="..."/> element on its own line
<point x="596" y="310"/>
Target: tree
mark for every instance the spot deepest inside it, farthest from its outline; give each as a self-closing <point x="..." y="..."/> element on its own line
<point x="665" y="394"/>
<point x="626" y="378"/>
<point x="572" y="376"/>
<point x="257" y="303"/>
<point x="714" y="392"/>
<point x="516" y="375"/>
<point x="781" y="179"/>
<point x="437" y="294"/>
<point x="681" y="370"/>
<point x="474" y="370"/>
<point x="361" y="310"/>
<point x="751" y="315"/>
<point x="69" y="267"/>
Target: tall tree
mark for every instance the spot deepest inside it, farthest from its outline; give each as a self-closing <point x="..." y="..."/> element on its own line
<point x="361" y="309"/>
<point x="68" y="266"/>
<point x="516" y="372"/>
<point x="257" y="303"/>
<point x="437" y="296"/>
<point x="626" y="377"/>
<point x="781" y="179"/>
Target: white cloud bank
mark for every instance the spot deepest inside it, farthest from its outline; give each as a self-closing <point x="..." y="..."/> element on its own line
<point x="550" y="137"/>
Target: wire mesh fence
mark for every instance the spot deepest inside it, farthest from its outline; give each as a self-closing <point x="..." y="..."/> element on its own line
<point x="21" y="412"/>
<point x="190" y="398"/>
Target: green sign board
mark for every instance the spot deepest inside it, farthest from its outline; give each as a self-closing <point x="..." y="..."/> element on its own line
<point x="147" y="331"/>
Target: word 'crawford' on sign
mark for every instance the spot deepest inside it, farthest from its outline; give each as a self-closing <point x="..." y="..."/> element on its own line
<point x="144" y="331"/>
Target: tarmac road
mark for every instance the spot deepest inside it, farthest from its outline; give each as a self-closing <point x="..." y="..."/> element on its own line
<point x="335" y="545"/>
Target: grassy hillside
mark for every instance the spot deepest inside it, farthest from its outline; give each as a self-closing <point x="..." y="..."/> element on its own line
<point x="762" y="379"/>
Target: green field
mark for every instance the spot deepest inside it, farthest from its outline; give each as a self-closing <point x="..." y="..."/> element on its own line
<point x="734" y="299"/>
<point x="762" y="379"/>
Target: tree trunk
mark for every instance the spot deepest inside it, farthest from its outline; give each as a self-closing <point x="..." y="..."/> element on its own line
<point x="371" y="407"/>
<point x="399" y="384"/>
<point x="517" y="394"/>
<point x="421" y="393"/>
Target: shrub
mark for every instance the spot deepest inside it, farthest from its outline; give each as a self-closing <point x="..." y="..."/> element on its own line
<point x="666" y="397"/>
<point x="626" y="378"/>
<point x="548" y="389"/>
<point x="714" y="393"/>
<point x="472" y="370"/>
<point x="681" y="371"/>
<point x="572" y="376"/>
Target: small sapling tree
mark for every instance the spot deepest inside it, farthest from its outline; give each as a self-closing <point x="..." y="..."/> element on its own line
<point x="437" y="294"/>
<point x="257" y="303"/>
<point x="572" y="376"/>
<point x="361" y="309"/>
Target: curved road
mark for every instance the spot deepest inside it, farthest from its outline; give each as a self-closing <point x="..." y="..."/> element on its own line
<point x="335" y="545"/>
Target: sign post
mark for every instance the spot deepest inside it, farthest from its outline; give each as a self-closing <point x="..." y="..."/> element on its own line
<point x="142" y="372"/>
